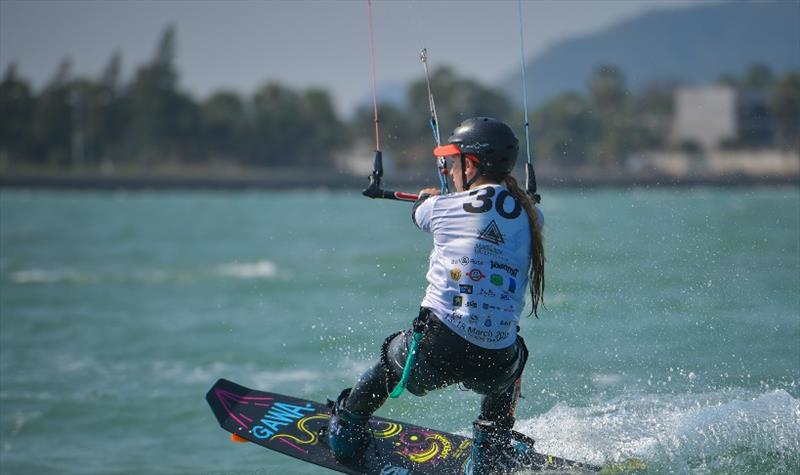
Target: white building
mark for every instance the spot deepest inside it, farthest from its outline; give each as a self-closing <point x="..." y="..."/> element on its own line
<point x="705" y="115"/>
<point x="714" y="115"/>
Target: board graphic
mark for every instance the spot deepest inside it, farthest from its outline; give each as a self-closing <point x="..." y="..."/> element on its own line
<point x="296" y="427"/>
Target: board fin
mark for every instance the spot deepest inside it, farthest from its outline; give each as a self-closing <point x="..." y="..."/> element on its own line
<point x="238" y="439"/>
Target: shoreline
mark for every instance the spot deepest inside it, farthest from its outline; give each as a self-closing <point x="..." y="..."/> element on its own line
<point x="305" y="180"/>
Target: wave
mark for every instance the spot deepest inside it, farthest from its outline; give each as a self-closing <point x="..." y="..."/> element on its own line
<point x="274" y="379"/>
<point x="255" y="270"/>
<point x="49" y="276"/>
<point x="732" y="431"/>
<point x="262" y="269"/>
<point x="185" y="373"/>
<point x="738" y="430"/>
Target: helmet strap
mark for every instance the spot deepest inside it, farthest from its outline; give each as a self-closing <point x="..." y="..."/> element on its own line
<point x="464" y="172"/>
<point x="464" y="181"/>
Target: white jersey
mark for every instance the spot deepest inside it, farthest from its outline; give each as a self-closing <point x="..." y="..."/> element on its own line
<point x="478" y="271"/>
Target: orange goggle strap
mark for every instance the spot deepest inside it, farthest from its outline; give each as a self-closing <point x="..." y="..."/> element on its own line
<point x="452" y="149"/>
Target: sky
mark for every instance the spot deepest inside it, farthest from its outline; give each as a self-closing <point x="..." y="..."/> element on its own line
<point x="240" y="45"/>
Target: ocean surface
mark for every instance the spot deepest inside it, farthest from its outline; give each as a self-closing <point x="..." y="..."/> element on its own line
<point x="672" y="329"/>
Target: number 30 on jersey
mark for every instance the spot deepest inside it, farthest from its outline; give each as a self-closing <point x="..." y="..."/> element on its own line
<point x="485" y="203"/>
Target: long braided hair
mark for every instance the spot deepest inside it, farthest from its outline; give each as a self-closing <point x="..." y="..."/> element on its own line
<point x="536" y="271"/>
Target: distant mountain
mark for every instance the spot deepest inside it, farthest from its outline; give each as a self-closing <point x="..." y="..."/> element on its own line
<point x="694" y="45"/>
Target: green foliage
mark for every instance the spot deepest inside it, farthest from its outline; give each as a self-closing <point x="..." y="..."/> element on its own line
<point x="401" y="139"/>
<point x="224" y="125"/>
<point x="457" y="98"/>
<point x="758" y="76"/>
<point x="16" y="107"/>
<point x="292" y="128"/>
<point x="406" y="135"/>
<point x="53" y="116"/>
<point x="565" y="130"/>
<point x="160" y="114"/>
<point x="784" y="105"/>
<point x="611" y="108"/>
<point x="607" y="89"/>
<point x="83" y="122"/>
<point x="651" y="113"/>
<point x="108" y="116"/>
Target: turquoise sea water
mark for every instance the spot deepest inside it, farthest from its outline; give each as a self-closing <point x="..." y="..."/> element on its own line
<point x="672" y="329"/>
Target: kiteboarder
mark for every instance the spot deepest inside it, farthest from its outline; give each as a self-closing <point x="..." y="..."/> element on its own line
<point x="487" y="250"/>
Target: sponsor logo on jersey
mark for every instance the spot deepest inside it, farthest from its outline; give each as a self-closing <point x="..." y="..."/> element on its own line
<point x="512" y="285"/>
<point x="505" y="296"/>
<point x="496" y="279"/>
<point x="465" y="289"/>
<point x="476" y="275"/>
<point x="488" y="306"/>
<point x="488" y="322"/>
<point x="465" y="261"/>
<point x="505" y="323"/>
<point x="487" y="293"/>
<point x="491" y="233"/>
<point x="454" y="316"/>
<point x="512" y="271"/>
<point x="472" y="304"/>
<point x="457" y="300"/>
<point x="488" y="250"/>
<point x="473" y="318"/>
<point x="455" y="274"/>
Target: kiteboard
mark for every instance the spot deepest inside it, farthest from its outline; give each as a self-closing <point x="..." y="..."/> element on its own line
<point x="297" y="428"/>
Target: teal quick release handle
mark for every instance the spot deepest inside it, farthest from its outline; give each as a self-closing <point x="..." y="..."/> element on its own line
<point x="412" y="355"/>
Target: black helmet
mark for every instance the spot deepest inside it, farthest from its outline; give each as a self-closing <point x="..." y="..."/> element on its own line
<point x="492" y="142"/>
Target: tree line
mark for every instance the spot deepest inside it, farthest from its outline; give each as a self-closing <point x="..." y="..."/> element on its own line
<point x="149" y="120"/>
